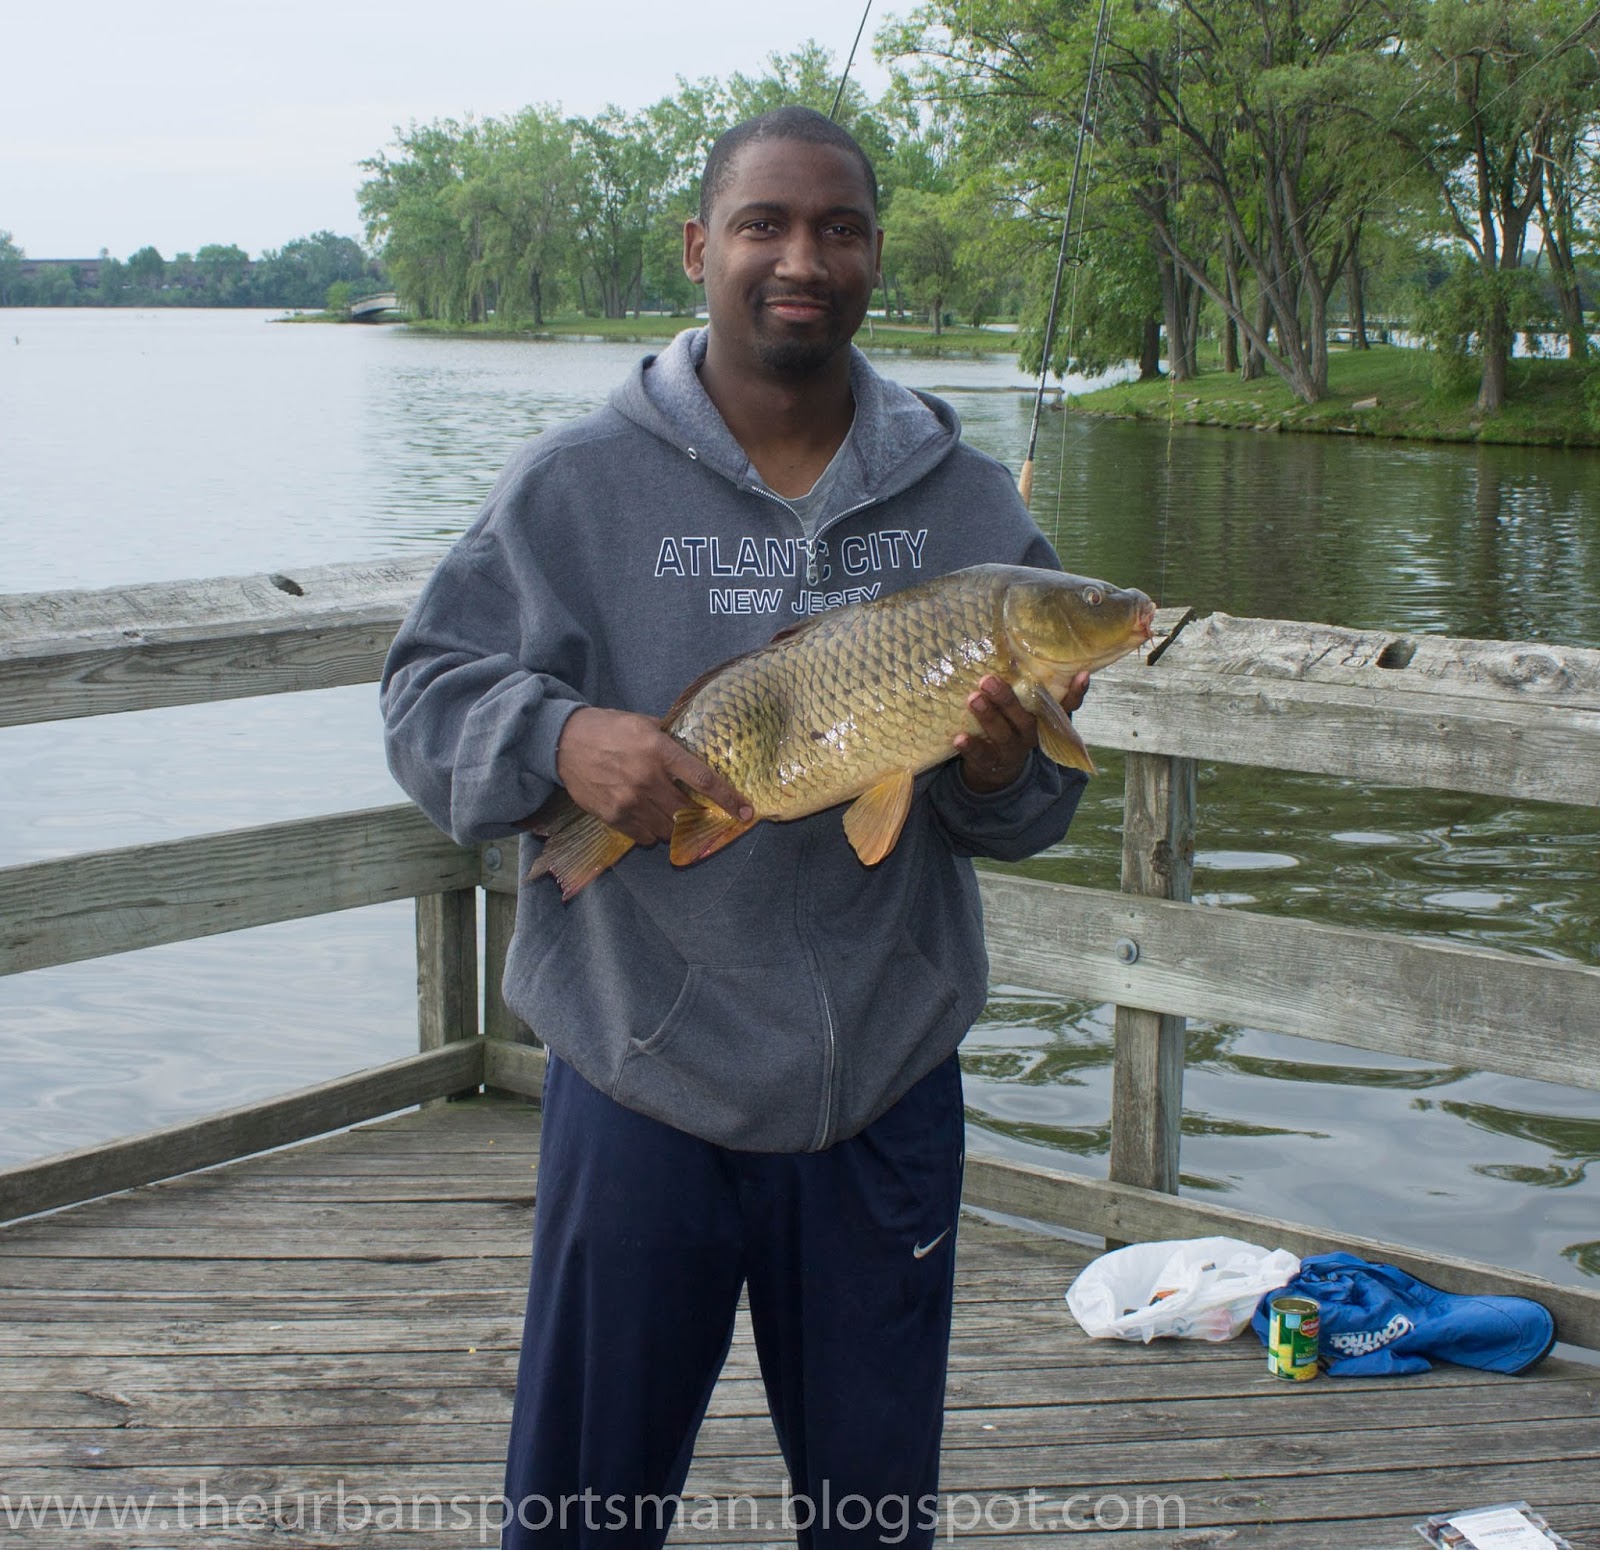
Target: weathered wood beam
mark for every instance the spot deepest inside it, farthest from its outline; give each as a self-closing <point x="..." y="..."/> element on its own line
<point x="514" y="1068"/>
<point x="112" y="901"/>
<point x="1506" y="719"/>
<point x="254" y="1127"/>
<point x="67" y="654"/>
<point x="1124" y="1213"/>
<point x="447" y="967"/>
<point x="1147" y="1064"/>
<point x="1457" y="1005"/>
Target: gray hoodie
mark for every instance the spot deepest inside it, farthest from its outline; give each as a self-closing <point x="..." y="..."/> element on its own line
<point x="779" y="995"/>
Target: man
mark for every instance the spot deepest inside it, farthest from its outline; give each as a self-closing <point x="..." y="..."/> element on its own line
<point x="752" y="1080"/>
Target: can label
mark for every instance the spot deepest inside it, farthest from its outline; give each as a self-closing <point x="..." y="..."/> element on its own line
<point x="1292" y="1327"/>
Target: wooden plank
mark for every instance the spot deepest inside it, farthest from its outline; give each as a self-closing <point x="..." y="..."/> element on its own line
<point x="1147" y="1063"/>
<point x="1129" y="1215"/>
<point x="67" y="654"/>
<point x="1519" y="672"/>
<point x="447" y="970"/>
<point x="1439" y="1001"/>
<point x="514" y="1068"/>
<point x="1363" y="723"/>
<point x="113" y="901"/>
<point x="254" y="1127"/>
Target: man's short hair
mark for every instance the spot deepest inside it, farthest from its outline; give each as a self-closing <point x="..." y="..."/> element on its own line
<point x="788" y="123"/>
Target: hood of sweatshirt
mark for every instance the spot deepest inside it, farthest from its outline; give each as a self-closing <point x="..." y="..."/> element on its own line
<point x="897" y="437"/>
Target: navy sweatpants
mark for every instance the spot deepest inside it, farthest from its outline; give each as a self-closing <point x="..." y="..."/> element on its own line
<point x="643" y="1237"/>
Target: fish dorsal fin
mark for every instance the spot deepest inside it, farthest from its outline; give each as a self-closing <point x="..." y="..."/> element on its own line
<point x="700" y="830"/>
<point x="1058" y="738"/>
<point x="873" y="822"/>
<point x="789" y="631"/>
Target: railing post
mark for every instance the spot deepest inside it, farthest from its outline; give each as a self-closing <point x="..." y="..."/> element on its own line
<point x="1147" y="1074"/>
<point x="447" y="967"/>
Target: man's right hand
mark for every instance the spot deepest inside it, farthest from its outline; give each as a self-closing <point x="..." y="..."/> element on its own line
<point x="626" y="771"/>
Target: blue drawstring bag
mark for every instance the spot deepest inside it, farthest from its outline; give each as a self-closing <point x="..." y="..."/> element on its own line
<point x="1377" y="1321"/>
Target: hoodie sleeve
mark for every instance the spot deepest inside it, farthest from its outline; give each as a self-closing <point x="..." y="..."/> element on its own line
<point x="477" y="688"/>
<point x="1019" y="820"/>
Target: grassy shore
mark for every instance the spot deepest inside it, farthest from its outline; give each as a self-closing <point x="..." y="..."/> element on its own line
<point x="1546" y="405"/>
<point x="917" y="338"/>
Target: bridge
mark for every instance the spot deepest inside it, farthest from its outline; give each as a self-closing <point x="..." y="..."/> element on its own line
<point x="382" y="308"/>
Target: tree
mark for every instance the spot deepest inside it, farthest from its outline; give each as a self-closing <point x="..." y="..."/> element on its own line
<point x="1497" y="82"/>
<point x="147" y="269"/>
<point x="11" y="257"/>
<point x="412" y="212"/>
<point x="518" y="191"/>
<point x="224" y="274"/>
<point x="922" y="233"/>
<point x="623" y="179"/>
<point x="299" y="273"/>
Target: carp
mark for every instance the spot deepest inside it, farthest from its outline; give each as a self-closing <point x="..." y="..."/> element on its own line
<point x="856" y="702"/>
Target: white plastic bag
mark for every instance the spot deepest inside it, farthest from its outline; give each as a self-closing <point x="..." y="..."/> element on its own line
<point x="1194" y="1288"/>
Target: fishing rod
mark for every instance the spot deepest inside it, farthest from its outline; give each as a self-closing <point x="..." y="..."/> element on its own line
<point x="1025" y="481"/>
<point x="838" y="96"/>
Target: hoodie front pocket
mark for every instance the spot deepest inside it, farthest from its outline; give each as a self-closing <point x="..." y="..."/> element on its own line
<point x="739" y="1059"/>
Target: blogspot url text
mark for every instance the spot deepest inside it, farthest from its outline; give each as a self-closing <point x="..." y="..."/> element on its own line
<point x="949" y="1515"/>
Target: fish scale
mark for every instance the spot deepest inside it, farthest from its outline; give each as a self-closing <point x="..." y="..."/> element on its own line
<point x="814" y="720"/>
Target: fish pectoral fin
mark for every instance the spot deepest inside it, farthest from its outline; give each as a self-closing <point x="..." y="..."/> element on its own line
<point x="873" y="822"/>
<point x="700" y="830"/>
<point x="578" y="847"/>
<point x="1058" y="738"/>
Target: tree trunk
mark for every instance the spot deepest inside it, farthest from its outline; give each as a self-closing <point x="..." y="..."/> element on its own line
<point x="1254" y="363"/>
<point x="1150" y="351"/>
<point x="1358" y="308"/>
<point x="536" y="290"/>
<point x="1496" y="356"/>
<point x="938" y="315"/>
<point x="1179" y="311"/>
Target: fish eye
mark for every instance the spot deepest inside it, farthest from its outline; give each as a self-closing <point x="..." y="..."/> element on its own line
<point x="1093" y="596"/>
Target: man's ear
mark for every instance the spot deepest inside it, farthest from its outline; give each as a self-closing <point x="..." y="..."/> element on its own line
<point x="877" y="265"/>
<point x="694" y="250"/>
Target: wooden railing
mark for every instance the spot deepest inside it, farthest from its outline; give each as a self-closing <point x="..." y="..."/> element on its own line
<point x="1513" y="720"/>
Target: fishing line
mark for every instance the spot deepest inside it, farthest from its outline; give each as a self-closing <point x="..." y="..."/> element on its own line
<point x="838" y="95"/>
<point x="1078" y="260"/>
<point x="1025" y="481"/>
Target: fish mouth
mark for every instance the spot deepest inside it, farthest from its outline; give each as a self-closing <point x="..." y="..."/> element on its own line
<point x="1145" y="623"/>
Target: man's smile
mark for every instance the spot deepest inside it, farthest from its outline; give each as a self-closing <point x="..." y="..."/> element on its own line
<point x="798" y="309"/>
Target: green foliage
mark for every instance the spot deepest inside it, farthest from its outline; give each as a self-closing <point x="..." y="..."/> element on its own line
<point x="11" y="257"/>
<point x="1451" y="316"/>
<point x="1591" y="394"/>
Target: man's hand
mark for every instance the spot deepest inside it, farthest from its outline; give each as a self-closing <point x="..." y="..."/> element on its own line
<point x="626" y="771"/>
<point x="1009" y="733"/>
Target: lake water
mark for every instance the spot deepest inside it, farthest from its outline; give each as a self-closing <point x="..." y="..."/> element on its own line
<point x="145" y="446"/>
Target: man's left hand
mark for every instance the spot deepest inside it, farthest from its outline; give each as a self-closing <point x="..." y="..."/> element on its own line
<point x="1008" y="733"/>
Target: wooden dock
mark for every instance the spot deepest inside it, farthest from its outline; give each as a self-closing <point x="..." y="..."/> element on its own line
<point x="261" y="1332"/>
<point x="345" y="1315"/>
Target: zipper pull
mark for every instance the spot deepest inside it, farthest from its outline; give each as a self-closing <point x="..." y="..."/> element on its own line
<point x="811" y="562"/>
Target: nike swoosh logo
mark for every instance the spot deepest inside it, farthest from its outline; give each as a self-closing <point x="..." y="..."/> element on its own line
<point x="922" y="1250"/>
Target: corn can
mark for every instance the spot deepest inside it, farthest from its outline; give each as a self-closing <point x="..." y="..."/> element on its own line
<point x="1292" y="1327"/>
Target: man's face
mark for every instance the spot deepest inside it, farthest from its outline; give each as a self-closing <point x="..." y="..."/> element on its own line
<point x="789" y="256"/>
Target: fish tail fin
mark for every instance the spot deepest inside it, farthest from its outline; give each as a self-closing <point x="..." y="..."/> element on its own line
<point x="700" y="830"/>
<point x="578" y="847"/>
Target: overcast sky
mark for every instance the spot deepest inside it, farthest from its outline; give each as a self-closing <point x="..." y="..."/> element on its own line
<point x="184" y="123"/>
